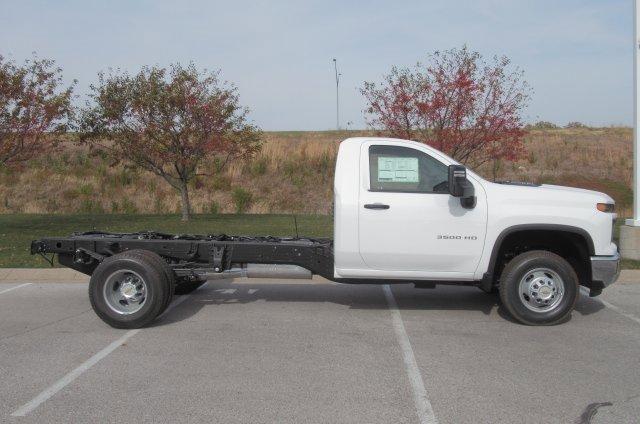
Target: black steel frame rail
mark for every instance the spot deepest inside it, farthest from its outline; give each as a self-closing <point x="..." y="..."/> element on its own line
<point x="83" y="252"/>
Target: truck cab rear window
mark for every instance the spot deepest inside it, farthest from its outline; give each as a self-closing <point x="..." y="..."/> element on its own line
<point x="402" y="169"/>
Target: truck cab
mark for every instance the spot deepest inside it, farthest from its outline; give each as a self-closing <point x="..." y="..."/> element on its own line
<point x="399" y="215"/>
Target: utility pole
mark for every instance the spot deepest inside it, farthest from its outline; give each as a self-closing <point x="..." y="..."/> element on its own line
<point x="338" y="75"/>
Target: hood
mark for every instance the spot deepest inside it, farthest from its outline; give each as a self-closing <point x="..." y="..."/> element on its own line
<point x="548" y="193"/>
<point x="602" y="197"/>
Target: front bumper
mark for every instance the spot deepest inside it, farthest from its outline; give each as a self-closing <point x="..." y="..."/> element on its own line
<point x="605" y="269"/>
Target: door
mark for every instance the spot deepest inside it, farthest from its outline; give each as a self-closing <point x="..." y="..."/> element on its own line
<point x="408" y="221"/>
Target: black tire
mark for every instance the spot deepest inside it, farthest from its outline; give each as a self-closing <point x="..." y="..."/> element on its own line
<point x="166" y="269"/>
<point x="158" y="290"/>
<point x="532" y="263"/>
<point x="187" y="287"/>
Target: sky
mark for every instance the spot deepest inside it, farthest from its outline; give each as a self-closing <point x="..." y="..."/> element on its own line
<point x="576" y="54"/>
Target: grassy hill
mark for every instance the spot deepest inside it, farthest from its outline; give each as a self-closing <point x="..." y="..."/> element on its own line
<point x="292" y="173"/>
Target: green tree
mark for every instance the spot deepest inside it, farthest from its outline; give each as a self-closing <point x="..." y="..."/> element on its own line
<point x="168" y="122"/>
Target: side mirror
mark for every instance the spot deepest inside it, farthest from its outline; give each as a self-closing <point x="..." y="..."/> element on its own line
<point x="460" y="187"/>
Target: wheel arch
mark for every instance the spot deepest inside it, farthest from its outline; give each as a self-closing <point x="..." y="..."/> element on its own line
<point x="539" y="237"/>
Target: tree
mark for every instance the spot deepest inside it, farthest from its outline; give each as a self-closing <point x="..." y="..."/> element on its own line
<point x="457" y="103"/>
<point x="169" y="122"/>
<point x="575" y="124"/>
<point x="34" y="109"/>
<point x="542" y="125"/>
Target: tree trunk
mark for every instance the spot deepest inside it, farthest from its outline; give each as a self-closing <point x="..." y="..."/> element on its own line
<point x="186" y="203"/>
<point x="496" y="167"/>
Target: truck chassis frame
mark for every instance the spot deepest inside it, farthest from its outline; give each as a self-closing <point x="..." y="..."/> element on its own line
<point x="191" y="257"/>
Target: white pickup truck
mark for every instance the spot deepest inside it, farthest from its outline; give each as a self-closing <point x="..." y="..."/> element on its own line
<point x="404" y="213"/>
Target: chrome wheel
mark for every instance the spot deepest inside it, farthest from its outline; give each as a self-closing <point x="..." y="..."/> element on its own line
<point x="541" y="290"/>
<point x="125" y="292"/>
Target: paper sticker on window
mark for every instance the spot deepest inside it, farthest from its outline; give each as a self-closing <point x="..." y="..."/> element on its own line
<point x="398" y="169"/>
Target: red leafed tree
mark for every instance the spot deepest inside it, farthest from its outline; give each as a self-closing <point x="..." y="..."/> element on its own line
<point x="457" y="103"/>
<point x="34" y="109"/>
<point x="169" y="121"/>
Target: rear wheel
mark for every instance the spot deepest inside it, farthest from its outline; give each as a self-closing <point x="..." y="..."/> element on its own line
<point x="539" y="288"/>
<point x="129" y="290"/>
<point x="164" y="267"/>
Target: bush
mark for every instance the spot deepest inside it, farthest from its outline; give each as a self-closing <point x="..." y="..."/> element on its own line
<point x="125" y="177"/>
<point x="214" y="208"/>
<point x="542" y="125"/>
<point x="85" y="189"/>
<point x="128" y="207"/>
<point x="259" y="166"/>
<point x="220" y="182"/>
<point x="242" y="199"/>
<point x="89" y="206"/>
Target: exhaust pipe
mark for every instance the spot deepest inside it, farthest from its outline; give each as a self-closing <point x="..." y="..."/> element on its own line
<point x="261" y="271"/>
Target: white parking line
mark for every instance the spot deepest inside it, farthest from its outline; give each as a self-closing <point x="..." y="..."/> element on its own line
<point x="67" y="379"/>
<point x="423" y="406"/>
<point x="226" y="291"/>
<point x="613" y="307"/>
<point x="16" y="287"/>
<point x="47" y="393"/>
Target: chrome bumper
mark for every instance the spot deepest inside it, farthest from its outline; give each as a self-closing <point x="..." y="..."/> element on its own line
<point x="605" y="269"/>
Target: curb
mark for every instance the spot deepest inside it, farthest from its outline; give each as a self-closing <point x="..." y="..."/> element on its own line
<point x="42" y="275"/>
<point x="629" y="276"/>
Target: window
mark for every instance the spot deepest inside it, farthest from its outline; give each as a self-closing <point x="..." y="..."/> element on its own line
<point x="402" y="169"/>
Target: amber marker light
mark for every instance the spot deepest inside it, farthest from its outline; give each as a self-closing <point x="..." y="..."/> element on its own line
<point x="606" y="207"/>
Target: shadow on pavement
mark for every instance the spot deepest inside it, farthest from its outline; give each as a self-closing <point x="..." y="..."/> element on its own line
<point x="224" y="293"/>
<point x="587" y="305"/>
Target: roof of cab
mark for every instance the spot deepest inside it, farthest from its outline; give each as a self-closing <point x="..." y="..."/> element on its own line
<point x="433" y="151"/>
<point x="360" y="140"/>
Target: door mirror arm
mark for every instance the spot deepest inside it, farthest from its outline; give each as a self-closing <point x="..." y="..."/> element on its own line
<point x="460" y="186"/>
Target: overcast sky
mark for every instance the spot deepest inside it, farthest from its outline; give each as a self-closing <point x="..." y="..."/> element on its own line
<point x="577" y="54"/>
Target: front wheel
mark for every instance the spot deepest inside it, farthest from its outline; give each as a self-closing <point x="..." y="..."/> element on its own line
<point x="539" y="288"/>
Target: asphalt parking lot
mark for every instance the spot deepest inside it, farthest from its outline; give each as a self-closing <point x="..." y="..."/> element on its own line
<point x="317" y="352"/>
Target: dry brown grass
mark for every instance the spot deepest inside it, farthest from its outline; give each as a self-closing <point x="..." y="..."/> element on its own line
<point x="293" y="173"/>
<point x="598" y="159"/>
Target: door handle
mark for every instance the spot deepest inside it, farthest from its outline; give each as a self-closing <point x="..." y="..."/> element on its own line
<point x="376" y="206"/>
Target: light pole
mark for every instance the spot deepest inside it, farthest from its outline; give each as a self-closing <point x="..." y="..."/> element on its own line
<point x="636" y="119"/>
<point x="630" y="233"/>
<point x="335" y="67"/>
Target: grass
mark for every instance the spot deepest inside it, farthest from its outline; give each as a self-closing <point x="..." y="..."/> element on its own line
<point x="17" y="230"/>
<point x="292" y="173"/>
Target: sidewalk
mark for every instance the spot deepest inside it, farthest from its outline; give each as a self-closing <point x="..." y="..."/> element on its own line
<point x="66" y="275"/>
<point x="42" y="275"/>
